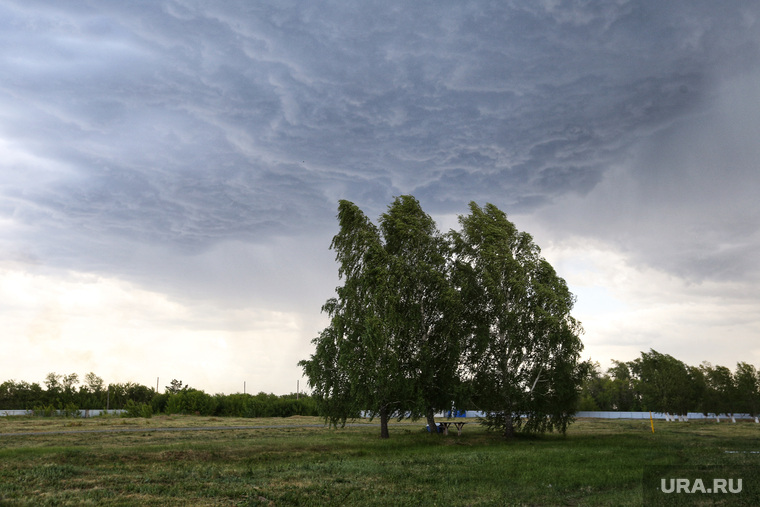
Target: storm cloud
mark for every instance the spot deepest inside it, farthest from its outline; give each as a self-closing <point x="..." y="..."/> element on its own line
<point x="198" y="150"/>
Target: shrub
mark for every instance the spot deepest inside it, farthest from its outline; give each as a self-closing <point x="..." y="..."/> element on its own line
<point x="134" y="409"/>
<point x="44" y="411"/>
<point x="71" y="410"/>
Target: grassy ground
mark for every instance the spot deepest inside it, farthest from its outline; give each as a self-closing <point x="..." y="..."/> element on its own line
<point x="597" y="463"/>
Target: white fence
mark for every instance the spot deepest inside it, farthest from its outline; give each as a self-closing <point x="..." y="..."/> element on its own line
<point x="631" y="415"/>
<point x="660" y="415"/>
<point x="80" y="413"/>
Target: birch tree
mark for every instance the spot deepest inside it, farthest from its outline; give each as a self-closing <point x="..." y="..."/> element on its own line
<point x="523" y="345"/>
<point x="357" y="365"/>
<point x="423" y="307"/>
<point x="420" y="315"/>
<point x="747" y="389"/>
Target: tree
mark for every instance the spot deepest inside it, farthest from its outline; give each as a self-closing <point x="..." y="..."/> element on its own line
<point x="391" y="347"/>
<point x="423" y="320"/>
<point x="597" y="391"/>
<point x="68" y="382"/>
<point x="624" y="396"/>
<point x="523" y="345"/>
<point x="356" y="365"/>
<point x="721" y="393"/>
<point x="747" y="389"/>
<point x="664" y="382"/>
<point x="93" y="382"/>
<point x="697" y="387"/>
<point x="53" y="388"/>
<point x="175" y="386"/>
<point x="329" y="379"/>
<point x="422" y="308"/>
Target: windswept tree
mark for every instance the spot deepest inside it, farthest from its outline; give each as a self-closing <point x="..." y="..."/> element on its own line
<point x="624" y="396"/>
<point x="721" y="393"/>
<point x="523" y="345"/>
<point x="422" y="309"/>
<point x="357" y="364"/>
<point x="665" y="383"/>
<point x="747" y="384"/>
<point x="330" y="377"/>
<point x="425" y="321"/>
<point x="392" y="346"/>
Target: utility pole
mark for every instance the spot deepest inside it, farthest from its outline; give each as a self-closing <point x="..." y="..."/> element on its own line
<point x="298" y="387"/>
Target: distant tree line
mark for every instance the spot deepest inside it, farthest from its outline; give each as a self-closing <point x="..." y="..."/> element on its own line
<point x="661" y="383"/>
<point x="65" y="394"/>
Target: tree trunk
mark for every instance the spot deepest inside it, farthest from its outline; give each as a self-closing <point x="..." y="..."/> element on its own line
<point x="509" y="427"/>
<point x="384" y="416"/>
<point x="431" y="420"/>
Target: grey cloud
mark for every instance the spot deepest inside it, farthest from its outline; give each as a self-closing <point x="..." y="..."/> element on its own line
<point x="193" y="123"/>
<point x="685" y="199"/>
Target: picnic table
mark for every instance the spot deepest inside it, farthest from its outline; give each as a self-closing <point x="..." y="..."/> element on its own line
<point x="458" y="424"/>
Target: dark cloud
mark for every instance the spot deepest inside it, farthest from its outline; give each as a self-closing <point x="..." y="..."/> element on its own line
<point x="189" y="124"/>
<point x="170" y="170"/>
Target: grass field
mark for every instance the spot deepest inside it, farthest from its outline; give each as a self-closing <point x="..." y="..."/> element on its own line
<point x="597" y="463"/>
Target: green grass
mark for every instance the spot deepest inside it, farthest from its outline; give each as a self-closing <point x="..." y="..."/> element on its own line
<point x="597" y="463"/>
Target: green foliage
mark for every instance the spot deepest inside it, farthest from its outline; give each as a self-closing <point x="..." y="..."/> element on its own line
<point x="21" y="395"/>
<point x="265" y="405"/>
<point x="174" y="405"/>
<point x="70" y="410"/>
<point x="44" y="411"/>
<point x="141" y="401"/>
<point x="661" y="383"/>
<point x="146" y="411"/>
<point x="134" y="409"/>
<point x="391" y="345"/>
<point x="175" y="387"/>
<point x="423" y="321"/>
<point x="158" y="402"/>
<point x="191" y="401"/>
<point x="523" y="346"/>
<point x="721" y="394"/>
<point x="93" y="382"/>
<point x="357" y="363"/>
<point x="666" y="384"/>
<point x="747" y="382"/>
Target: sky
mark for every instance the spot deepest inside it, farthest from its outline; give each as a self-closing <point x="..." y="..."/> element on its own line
<point x="170" y="170"/>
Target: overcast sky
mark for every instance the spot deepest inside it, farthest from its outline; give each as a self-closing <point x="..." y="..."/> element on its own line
<point x="170" y="170"/>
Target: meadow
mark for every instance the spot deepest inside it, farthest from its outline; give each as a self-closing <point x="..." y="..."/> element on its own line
<point x="192" y="460"/>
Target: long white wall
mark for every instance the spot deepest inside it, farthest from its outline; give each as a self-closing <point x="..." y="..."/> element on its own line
<point x="657" y="415"/>
<point x="82" y="413"/>
<point x="631" y="415"/>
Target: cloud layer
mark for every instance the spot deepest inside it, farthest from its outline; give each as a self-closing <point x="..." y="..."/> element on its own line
<point x="198" y="149"/>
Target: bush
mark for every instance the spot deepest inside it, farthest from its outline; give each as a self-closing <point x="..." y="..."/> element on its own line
<point x="158" y="403"/>
<point x="191" y="401"/>
<point x="44" y="411"/>
<point x="71" y="410"/>
<point x="134" y="409"/>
